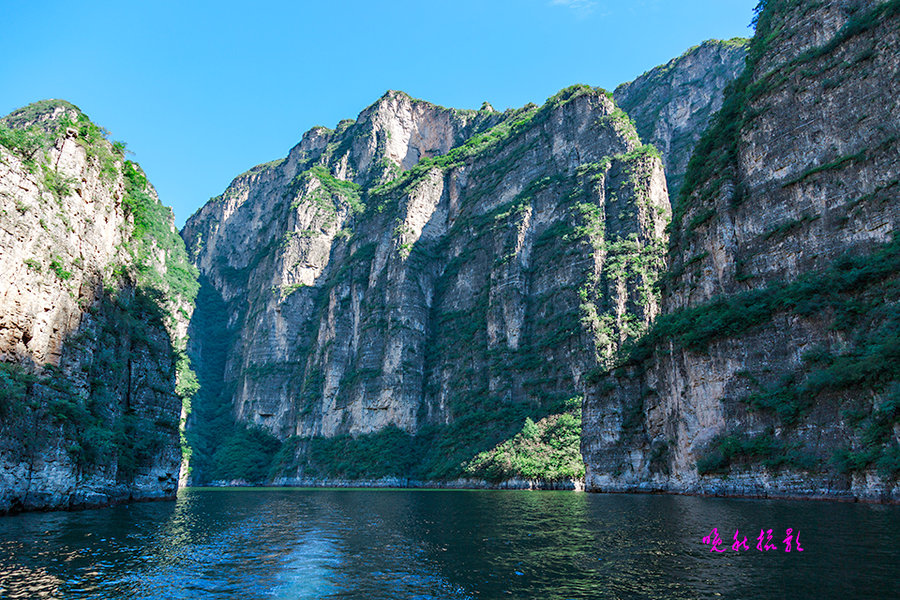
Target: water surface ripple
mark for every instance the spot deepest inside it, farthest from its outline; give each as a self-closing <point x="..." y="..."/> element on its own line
<point x="429" y="544"/>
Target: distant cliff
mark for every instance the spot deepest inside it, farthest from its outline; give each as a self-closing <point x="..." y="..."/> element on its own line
<point x="402" y="292"/>
<point x="673" y="104"/>
<point x="95" y="296"/>
<point x="774" y="368"/>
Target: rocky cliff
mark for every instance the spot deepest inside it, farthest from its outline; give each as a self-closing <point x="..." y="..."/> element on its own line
<point x="773" y="369"/>
<point x="95" y="296"/>
<point x="673" y="104"/>
<point x="400" y="293"/>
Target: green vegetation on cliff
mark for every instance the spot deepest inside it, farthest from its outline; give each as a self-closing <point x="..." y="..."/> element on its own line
<point x="492" y="445"/>
<point x="30" y="131"/>
<point x="859" y="296"/>
<point x="837" y="288"/>
<point x="175" y="287"/>
<point x="494" y="140"/>
<point x="153" y="233"/>
<point x="737" y="449"/>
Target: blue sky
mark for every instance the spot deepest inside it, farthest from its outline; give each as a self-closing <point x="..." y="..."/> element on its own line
<point x="201" y="91"/>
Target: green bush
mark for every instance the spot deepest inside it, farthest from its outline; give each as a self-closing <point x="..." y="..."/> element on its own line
<point x="727" y="451"/>
<point x="15" y="381"/>
<point x="875" y="447"/>
<point x="25" y="142"/>
<point x="548" y="450"/>
<point x="56" y="265"/>
<point x="390" y="451"/>
<point x="245" y="454"/>
<point x="59" y="185"/>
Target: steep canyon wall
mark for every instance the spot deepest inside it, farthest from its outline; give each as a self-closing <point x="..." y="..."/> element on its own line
<point x="95" y="297"/>
<point x="773" y="368"/>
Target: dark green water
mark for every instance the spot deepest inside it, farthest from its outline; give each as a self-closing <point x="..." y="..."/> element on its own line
<point x="374" y="544"/>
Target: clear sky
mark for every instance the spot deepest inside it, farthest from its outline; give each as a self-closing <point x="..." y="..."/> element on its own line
<point x="201" y="91"/>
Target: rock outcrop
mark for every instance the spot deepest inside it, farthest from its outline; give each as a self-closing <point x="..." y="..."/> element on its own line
<point x="673" y="104"/>
<point x="95" y="296"/>
<point x="773" y="369"/>
<point x="422" y="276"/>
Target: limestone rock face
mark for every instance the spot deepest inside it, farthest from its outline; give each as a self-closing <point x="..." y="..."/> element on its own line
<point x="87" y="378"/>
<point x="673" y="104"/>
<point x="423" y="267"/>
<point x="772" y="370"/>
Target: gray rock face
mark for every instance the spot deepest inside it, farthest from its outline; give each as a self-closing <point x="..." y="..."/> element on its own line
<point x="422" y="266"/>
<point x="87" y="379"/>
<point x="673" y="104"/>
<point x="770" y="371"/>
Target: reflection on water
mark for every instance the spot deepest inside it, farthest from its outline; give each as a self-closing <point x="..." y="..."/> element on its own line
<point x="295" y="544"/>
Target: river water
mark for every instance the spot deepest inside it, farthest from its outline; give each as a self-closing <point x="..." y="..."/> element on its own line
<point x="421" y="544"/>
